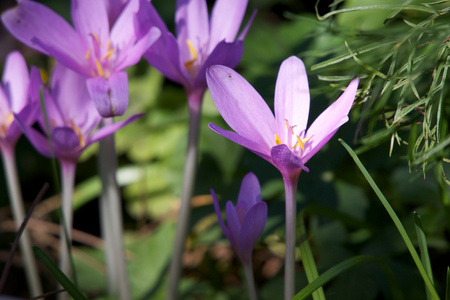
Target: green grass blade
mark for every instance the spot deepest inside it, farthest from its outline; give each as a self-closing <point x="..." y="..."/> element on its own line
<point x="398" y="224"/>
<point x="447" y="288"/>
<point x="59" y="276"/>
<point x="423" y="249"/>
<point x="330" y="274"/>
<point x="308" y="260"/>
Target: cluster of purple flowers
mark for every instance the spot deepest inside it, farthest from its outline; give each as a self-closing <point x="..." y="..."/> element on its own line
<point x="89" y="83"/>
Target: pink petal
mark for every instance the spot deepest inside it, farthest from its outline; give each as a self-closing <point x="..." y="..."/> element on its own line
<point x="291" y="97"/>
<point x="330" y="120"/>
<point x="90" y="17"/>
<point x="123" y="30"/>
<point x="16" y="80"/>
<point x="241" y="106"/>
<point x="226" y="18"/>
<point x="191" y="19"/>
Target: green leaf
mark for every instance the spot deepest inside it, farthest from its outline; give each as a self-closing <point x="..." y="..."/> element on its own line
<point x="423" y="249"/>
<point x="59" y="275"/>
<point x="397" y="222"/>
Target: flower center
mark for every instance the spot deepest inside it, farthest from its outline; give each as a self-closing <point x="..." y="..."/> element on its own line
<point x="300" y="142"/>
<point x="78" y="132"/>
<point x="4" y="126"/>
<point x="100" y="57"/>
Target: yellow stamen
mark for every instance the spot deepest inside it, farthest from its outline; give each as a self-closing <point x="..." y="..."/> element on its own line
<point x="99" y="68"/>
<point x="44" y="75"/>
<point x="301" y="143"/>
<point x="88" y="54"/>
<point x="277" y="140"/>
<point x="5" y="126"/>
<point x="110" y="51"/>
<point x="96" y="37"/>
<point x="190" y="63"/>
<point x="79" y="134"/>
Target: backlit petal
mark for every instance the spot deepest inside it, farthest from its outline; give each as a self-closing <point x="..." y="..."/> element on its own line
<point x="15" y="81"/>
<point x="241" y="106"/>
<point x="90" y="17"/>
<point x="292" y="97"/>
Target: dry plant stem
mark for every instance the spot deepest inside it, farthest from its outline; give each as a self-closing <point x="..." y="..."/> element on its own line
<point x="15" y="195"/>
<point x="111" y="219"/>
<point x="190" y="170"/>
<point x="290" y="187"/>
<point x="250" y="282"/>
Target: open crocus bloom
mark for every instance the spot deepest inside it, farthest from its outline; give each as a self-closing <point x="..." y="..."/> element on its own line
<point x="14" y="99"/>
<point x="90" y="48"/>
<point x="71" y="116"/>
<point x="200" y="43"/>
<point x="282" y="140"/>
<point x="246" y="220"/>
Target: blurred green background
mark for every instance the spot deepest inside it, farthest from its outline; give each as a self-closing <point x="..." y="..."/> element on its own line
<point x="398" y="126"/>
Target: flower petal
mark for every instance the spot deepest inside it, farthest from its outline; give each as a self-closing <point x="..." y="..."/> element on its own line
<point x="42" y="29"/>
<point x="226" y="18"/>
<point x="110" y="95"/>
<point x="250" y="192"/>
<point x="16" y="80"/>
<point x="250" y="145"/>
<point x="65" y="140"/>
<point x="219" y="214"/>
<point x="251" y="229"/>
<point x="225" y="54"/>
<point x="234" y="226"/>
<point x="37" y="139"/>
<point x="90" y="17"/>
<point x="191" y="19"/>
<point x="326" y="124"/>
<point x="287" y="162"/>
<point x="241" y="106"/>
<point x="291" y="97"/>
<point x="123" y="31"/>
<point x="114" y="8"/>
<point x="107" y="130"/>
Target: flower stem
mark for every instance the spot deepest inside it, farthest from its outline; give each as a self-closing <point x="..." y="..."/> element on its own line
<point x="250" y="282"/>
<point x="190" y="170"/>
<point x="68" y="180"/>
<point x="111" y="219"/>
<point x="15" y="195"/>
<point x="290" y="187"/>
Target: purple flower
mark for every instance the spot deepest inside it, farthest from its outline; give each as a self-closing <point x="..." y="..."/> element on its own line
<point x="14" y="99"/>
<point x="71" y="117"/>
<point x="90" y="48"/>
<point x="200" y="43"/>
<point x="246" y="220"/>
<point x="282" y="140"/>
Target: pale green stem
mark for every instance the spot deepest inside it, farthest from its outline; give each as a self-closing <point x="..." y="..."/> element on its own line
<point x="290" y="187"/>
<point x="111" y="219"/>
<point x="190" y="170"/>
<point x="250" y="282"/>
<point x="18" y="211"/>
<point x="68" y="169"/>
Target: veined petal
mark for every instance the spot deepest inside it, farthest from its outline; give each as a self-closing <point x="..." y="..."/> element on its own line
<point x="226" y="18"/>
<point x="110" y="95"/>
<point x="251" y="229"/>
<point x="225" y="54"/>
<point x="134" y="54"/>
<point x="16" y="80"/>
<point x="291" y="97"/>
<point x="219" y="214"/>
<point x="123" y="31"/>
<point x="90" y="17"/>
<point x="286" y="161"/>
<point x="250" y="192"/>
<point x="259" y="150"/>
<point x="42" y="29"/>
<point x="105" y="131"/>
<point x="191" y="20"/>
<point x="330" y="120"/>
<point x="241" y="106"/>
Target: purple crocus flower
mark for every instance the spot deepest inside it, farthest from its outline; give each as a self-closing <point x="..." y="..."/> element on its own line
<point x="90" y="47"/>
<point x="282" y="140"/>
<point x="200" y="42"/>
<point x="14" y="99"/>
<point x="71" y="117"/>
<point x="246" y="220"/>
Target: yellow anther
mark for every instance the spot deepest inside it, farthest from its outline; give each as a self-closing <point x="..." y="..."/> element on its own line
<point x="88" y="54"/>
<point x="44" y="75"/>
<point x="190" y="63"/>
<point x="79" y="134"/>
<point x="99" y="68"/>
<point x="5" y="126"/>
<point x="110" y="51"/>
<point x="301" y="143"/>
<point x="277" y="140"/>
<point x="95" y="36"/>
